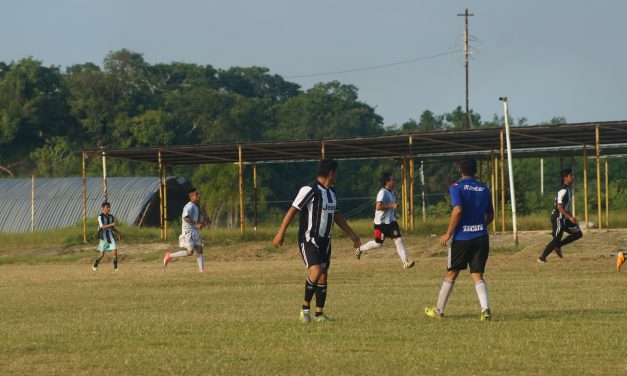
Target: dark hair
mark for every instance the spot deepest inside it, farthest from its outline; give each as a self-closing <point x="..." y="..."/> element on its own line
<point x="468" y="166"/>
<point x="191" y="190"/>
<point x="385" y="177"/>
<point x="326" y="166"/>
<point x="565" y="172"/>
<point x="106" y="204"/>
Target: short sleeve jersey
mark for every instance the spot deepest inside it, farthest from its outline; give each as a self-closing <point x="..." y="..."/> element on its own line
<point x="475" y="200"/>
<point x="106" y="234"/>
<point x="564" y="197"/>
<point x="317" y="205"/>
<point x="385" y="216"/>
<point x="193" y="211"/>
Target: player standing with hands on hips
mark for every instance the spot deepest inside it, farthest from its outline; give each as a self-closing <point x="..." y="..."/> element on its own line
<point x="190" y="237"/>
<point x="470" y="244"/>
<point x="317" y="204"/>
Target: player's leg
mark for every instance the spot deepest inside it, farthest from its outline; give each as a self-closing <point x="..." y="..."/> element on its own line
<point x="311" y="258"/>
<point x="98" y="258"/>
<point x="574" y="234"/>
<point x="321" y="288"/>
<point x="114" y="253"/>
<point x="456" y="261"/>
<point x="477" y="268"/>
<point x="373" y="244"/>
<point x="185" y="242"/>
<point x="556" y="233"/>
<point x="200" y="258"/>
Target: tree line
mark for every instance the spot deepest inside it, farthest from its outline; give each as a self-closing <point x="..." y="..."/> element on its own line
<point x="47" y="114"/>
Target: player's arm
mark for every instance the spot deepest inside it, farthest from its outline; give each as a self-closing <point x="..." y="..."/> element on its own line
<point x="341" y="221"/>
<point x="379" y="206"/>
<point x="565" y="213"/>
<point x="280" y="235"/>
<point x="456" y="216"/>
<point x="104" y="227"/>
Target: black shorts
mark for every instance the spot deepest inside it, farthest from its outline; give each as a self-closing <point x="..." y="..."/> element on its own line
<point x="316" y="252"/>
<point x="472" y="252"/>
<point x="561" y="225"/>
<point x="386" y="230"/>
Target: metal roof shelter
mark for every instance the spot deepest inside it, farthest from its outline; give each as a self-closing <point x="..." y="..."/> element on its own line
<point x="483" y="143"/>
<point x="55" y="204"/>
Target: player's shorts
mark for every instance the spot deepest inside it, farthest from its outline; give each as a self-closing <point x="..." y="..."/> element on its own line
<point x="561" y="225"/>
<point x="316" y="252"/>
<point x="386" y="230"/>
<point x="473" y="252"/>
<point x="103" y="246"/>
<point x="190" y="240"/>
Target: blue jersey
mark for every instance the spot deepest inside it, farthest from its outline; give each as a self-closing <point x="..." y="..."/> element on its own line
<point x="475" y="200"/>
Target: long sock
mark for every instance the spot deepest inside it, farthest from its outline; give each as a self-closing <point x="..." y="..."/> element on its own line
<point x="445" y="292"/>
<point x="178" y="254"/>
<point x="97" y="261"/>
<point x="115" y="262"/>
<point x="549" y="248"/>
<point x="370" y="245"/>
<point x="482" y="293"/>
<point x="571" y="238"/>
<point x="400" y="249"/>
<point x="310" y="289"/>
<point x="321" y="295"/>
<point x="200" y="259"/>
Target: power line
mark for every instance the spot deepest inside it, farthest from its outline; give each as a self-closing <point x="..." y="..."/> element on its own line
<point x="375" y="66"/>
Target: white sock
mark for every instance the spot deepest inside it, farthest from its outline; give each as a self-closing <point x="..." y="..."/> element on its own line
<point x="445" y="292"/>
<point x="482" y="293"/>
<point x="179" y="254"/>
<point x="400" y="249"/>
<point x="200" y="259"/>
<point x="370" y="245"/>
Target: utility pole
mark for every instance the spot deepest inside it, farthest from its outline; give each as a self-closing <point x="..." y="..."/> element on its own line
<point x="467" y="122"/>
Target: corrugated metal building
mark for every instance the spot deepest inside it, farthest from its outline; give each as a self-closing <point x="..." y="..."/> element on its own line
<point x="58" y="201"/>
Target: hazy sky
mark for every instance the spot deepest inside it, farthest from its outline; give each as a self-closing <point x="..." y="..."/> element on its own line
<point x="551" y="58"/>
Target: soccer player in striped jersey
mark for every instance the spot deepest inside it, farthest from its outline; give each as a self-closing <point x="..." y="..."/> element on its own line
<point x="470" y="244"/>
<point x="385" y="224"/>
<point x="318" y="209"/>
<point x="561" y="218"/>
<point x="106" y="228"/>
<point x="190" y="237"/>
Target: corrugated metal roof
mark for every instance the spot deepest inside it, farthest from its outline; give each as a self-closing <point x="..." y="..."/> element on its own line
<point x="59" y="201"/>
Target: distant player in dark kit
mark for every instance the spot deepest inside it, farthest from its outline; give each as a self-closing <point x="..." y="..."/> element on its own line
<point x="385" y="225"/>
<point x="561" y="219"/>
<point x="106" y="231"/>
<point x="470" y="244"/>
<point x="318" y="208"/>
<point x="190" y="238"/>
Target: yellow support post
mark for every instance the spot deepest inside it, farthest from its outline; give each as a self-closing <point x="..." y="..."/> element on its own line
<point x="493" y="176"/>
<point x="160" y="194"/>
<point x="607" y="197"/>
<point x="241" y="191"/>
<point x="404" y="193"/>
<point x="502" y="184"/>
<point x="165" y="202"/>
<point x="84" y="199"/>
<point x="255" y="197"/>
<point x="598" y="158"/>
<point x="411" y="183"/>
<point x="585" y="185"/>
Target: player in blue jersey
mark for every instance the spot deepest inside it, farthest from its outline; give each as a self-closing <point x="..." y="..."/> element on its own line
<point x="561" y="219"/>
<point x="470" y="245"/>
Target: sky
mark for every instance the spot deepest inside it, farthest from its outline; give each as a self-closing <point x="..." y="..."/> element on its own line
<point x="550" y="58"/>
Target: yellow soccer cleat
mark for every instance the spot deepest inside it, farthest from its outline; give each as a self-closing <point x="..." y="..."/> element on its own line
<point x="620" y="260"/>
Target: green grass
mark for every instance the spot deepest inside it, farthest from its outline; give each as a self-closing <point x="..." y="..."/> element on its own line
<point x="564" y="318"/>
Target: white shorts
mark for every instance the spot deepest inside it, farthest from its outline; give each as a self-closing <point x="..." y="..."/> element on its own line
<point x="190" y="240"/>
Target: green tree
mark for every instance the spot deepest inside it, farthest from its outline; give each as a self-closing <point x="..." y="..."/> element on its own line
<point x="57" y="157"/>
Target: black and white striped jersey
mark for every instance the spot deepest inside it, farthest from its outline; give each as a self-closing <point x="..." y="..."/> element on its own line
<point x="317" y="206"/>
<point x="106" y="234"/>
<point x="564" y="197"/>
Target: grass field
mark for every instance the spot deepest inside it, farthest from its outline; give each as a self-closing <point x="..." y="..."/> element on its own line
<point x="565" y="318"/>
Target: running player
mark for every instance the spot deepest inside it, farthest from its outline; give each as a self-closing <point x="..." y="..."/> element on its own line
<point x="190" y="237"/>
<point x="106" y="229"/>
<point x="470" y="245"/>
<point x="385" y="224"/>
<point x="317" y="204"/>
<point x="561" y="218"/>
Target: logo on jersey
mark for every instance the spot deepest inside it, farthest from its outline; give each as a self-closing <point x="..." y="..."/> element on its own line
<point x="330" y="207"/>
<point x="473" y="188"/>
<point x="473" y="228"/>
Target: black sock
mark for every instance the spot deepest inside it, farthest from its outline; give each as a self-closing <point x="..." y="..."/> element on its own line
<point x="321" y="295"/>
<point x="96" y="263"/>
<point x="305" y="307"/>
<point x="318" y="314"/>
<point x="115" y="263"/>
<point x="550" y="247"/>
<point x="310" y="289"/>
